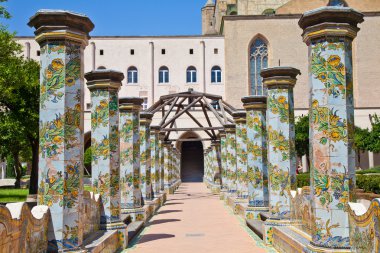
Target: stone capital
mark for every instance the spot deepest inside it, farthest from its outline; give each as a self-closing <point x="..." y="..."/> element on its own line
<point x="146" y="118"/>
<point x="240" y="116"/>
<point x="53" y="25"/>
<point x="280" y="77"/>
<point x="104" y="79"/>
<point x="330" y="22"/>
<point x="255" y="102"/>
<point x="155" y="129"/>
<point x="130" y="103"/>
<point x="229" y="128"/>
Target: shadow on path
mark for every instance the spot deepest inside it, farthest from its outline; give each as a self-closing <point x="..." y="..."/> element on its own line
<point x="156" y="222"/>
<point x="154" y="237"/>
<point x="169" y="211"/>
<point x="174" y="203"/>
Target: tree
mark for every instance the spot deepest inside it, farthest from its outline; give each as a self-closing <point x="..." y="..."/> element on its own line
<point x="19" y="96"/>
<point x="12" y="142"/>
<point x="361" y="141"/>
<point x="3" y="12"/>
<point x="302" y="137"/>
<point x="374" y="136"/>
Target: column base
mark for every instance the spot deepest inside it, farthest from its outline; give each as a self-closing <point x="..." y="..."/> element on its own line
<point x="269" y="224"/>
<point x="135" y="214"/>
<point x="314" y="249"/>
<point x="223" y="194"/>
<point x="237" y="205"/>
<point x="253" y="213"/>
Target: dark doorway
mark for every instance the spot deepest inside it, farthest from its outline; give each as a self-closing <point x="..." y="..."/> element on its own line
<point x="192" y="169"/>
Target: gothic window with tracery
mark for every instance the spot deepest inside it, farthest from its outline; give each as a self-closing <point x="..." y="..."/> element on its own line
<point x="258" y="61"/>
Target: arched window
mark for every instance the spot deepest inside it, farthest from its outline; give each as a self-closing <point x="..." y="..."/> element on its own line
<point x="132" y="75"/>
<point x="163" y="75"/>
<point x="191" y="75"/>
<point x="216" y="74"/>
<point x="258" y="59"/>
<point x="341" y="3"/>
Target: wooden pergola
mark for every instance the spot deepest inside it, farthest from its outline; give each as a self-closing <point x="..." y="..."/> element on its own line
<point x="185" y="103"/>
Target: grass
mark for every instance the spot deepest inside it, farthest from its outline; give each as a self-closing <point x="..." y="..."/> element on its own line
<point x="13" y="195"/>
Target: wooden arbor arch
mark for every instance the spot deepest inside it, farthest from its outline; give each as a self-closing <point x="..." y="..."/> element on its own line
<point x="173" y="106"/>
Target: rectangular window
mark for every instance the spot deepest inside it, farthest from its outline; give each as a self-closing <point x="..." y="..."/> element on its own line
<point x="216" y="51"/>
<point x="191" y="51"/>
<point x="132" y="52"/>
<point x="163" y="76"/>
<point x="101" y="52"/>
<point x="38" y="52"/>
<point x="163" y="51"/>
<point x="145" y="104"/>
<point x="132" y="76"/>
<point x="88" y="105"/>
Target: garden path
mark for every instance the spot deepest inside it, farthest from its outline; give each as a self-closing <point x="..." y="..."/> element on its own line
<point x="195" y="220"/>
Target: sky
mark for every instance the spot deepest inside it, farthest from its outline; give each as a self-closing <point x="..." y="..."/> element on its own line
<point x="117" y="17"/>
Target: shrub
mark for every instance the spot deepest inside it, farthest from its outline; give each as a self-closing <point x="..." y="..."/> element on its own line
<point x="369" y="171"/>
<point x="368" y="183"/>
<point x="303" y="180"/>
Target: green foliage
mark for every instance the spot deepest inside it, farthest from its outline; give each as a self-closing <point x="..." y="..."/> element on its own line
<point x="303" y="180"/>
<point x="3" y="12"/>
<point x="361" y="139"/>
<point x="19" y="100"/>
<point x="369" y="171"/>
<point x="88" y="158"/>
<point x="13" y="195"/>
<point x="374" y="137"/>
<point x="302" y="136"/>
<point x="369" y="183"/>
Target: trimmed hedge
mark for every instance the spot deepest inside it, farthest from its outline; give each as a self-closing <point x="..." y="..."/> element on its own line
<point x="369" y="171"/>
<point x="369" y="183"/>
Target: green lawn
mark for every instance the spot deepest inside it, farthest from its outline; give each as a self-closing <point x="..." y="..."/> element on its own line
<point x="13" y="195"/>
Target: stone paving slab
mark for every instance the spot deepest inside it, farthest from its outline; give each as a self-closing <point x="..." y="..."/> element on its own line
<point x="195" y="220"/>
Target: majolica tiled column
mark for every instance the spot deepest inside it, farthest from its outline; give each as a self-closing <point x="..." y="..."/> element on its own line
<point x="104" y="86"/>
<point x="166" y="156"/>
<point x="145" y="155"/>
<point x="155" y="155"/>
<point x="258" y="196"/>
<point x="130" y="156"/>
<point x="223" y="152"/>
<point x="241" y="154"/>
<point x="62" y="37"/>
<point x="329" y="33"/>
<point x="231" y="157"/>
<point x="281" y="143"/>
<point x="161" y="138"/>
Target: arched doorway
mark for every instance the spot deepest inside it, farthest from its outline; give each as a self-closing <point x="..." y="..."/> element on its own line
<point x="192" y="166"/>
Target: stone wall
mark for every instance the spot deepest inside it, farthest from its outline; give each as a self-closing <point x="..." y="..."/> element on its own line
<point x="22" y="229"/>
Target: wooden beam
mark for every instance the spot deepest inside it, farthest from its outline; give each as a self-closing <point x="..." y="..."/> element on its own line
<point x="181" y="112"/>
<point x="191" y="129"/>
<point x="199" y="124"/>
<point x="172" y="124"/>
<point x="188" y="140"/>
<point x="214" y="111"/>
<point x="223" y="112"/>
<point x="170" y="110"/>
<point x="162" y="105"/>
<point x="207" y="118"/>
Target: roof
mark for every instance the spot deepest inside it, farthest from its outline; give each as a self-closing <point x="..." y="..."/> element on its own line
<point x="301" y="6"/>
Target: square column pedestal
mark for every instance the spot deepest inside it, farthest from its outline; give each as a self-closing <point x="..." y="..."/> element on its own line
<point x="329" y="33"/>
<point x="281" y="145"/>
<point x="129" y="127"/>
<point x="62" y="36"/>
<point x="258" y="195"/>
